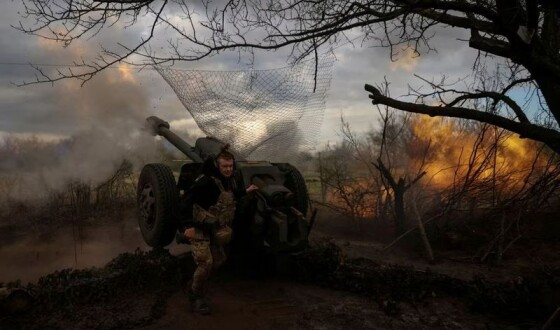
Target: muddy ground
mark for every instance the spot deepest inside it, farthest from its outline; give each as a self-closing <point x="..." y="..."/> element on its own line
<point x="343" y="282"/>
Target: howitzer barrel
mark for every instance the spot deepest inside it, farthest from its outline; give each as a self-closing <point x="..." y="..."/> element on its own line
<point x="208" y="146"/>
<point x="158" y="126"/>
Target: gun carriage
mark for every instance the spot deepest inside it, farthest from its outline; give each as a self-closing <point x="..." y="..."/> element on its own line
<point x="273" y="220"/>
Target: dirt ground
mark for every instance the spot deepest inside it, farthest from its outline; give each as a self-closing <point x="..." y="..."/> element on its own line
<point x="281" y="304"/>
<point x="241" y="302"/>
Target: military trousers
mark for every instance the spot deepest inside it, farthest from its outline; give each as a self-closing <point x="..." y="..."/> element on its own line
<point x="207" y="256"/>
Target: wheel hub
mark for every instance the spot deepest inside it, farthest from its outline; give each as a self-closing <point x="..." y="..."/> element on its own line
<point x="147" y="206"/>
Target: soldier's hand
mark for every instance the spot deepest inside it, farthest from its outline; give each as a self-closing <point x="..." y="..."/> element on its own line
<point x="252" y="188"/>
<point x="189" y="233"/>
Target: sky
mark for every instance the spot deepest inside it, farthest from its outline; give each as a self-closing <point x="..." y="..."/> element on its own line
<point x="117" y="101"/>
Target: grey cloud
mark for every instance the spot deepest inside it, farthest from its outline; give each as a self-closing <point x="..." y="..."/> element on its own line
<point x="56" y="110"/>
<point x="360" y="65"/>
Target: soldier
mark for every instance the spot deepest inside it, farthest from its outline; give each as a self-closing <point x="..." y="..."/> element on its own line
<point x="213" y="195"/>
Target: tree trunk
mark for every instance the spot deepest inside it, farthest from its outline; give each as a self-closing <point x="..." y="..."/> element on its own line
<point x="400" y="217"/>
<point x="550" y="90"/>
<point x="501" y="235"/>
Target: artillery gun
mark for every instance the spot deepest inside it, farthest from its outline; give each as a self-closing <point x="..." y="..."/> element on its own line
<point x="273" y="221"/>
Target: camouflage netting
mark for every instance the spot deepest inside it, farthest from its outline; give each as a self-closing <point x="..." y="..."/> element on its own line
<point x="263" y="114"/>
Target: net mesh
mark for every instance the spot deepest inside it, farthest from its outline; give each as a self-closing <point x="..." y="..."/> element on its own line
<point x="272" y="115"/>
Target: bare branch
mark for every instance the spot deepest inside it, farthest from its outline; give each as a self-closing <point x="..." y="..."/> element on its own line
<point x="548" y="136"/>
<point x="526" y="34"/>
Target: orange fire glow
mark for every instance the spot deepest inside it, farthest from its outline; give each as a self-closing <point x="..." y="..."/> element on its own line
<point x="354" y="198"/>
<point x="482" y="161"/>
<point x="456" y="152"/>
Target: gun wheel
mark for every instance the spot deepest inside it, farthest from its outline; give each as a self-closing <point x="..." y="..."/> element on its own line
<point x="157" y="200"/>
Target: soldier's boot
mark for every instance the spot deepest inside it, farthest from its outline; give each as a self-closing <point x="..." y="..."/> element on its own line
<point x="200" y="306"/>
<point x="198" y="303"/>
<point x="192" y="296"/>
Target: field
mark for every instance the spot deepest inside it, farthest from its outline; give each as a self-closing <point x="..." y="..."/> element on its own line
<point x="358" y="285"/>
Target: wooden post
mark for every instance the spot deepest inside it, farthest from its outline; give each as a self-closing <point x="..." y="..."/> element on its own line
<point x="423" y="234"/>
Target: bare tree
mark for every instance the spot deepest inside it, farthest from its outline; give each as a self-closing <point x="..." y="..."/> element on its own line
<point x="398" y="188"/>
<point x="397" y="181"/>
<point x="525" y="35"/>
<point x="349" y="189"/>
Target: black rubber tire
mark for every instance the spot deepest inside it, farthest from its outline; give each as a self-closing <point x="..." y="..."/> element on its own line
<point x="158" y="204"/>
<point x="296" y="183"/>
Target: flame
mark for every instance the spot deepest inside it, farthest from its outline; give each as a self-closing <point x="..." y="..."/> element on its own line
<point x="455" y="153"/>
<point x="487" y="163"/>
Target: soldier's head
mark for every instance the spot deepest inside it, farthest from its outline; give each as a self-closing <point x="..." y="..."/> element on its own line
<point x="224" y="162"/>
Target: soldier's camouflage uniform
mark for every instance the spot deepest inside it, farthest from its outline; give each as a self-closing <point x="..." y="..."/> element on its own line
<point x="208" y="249"/>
